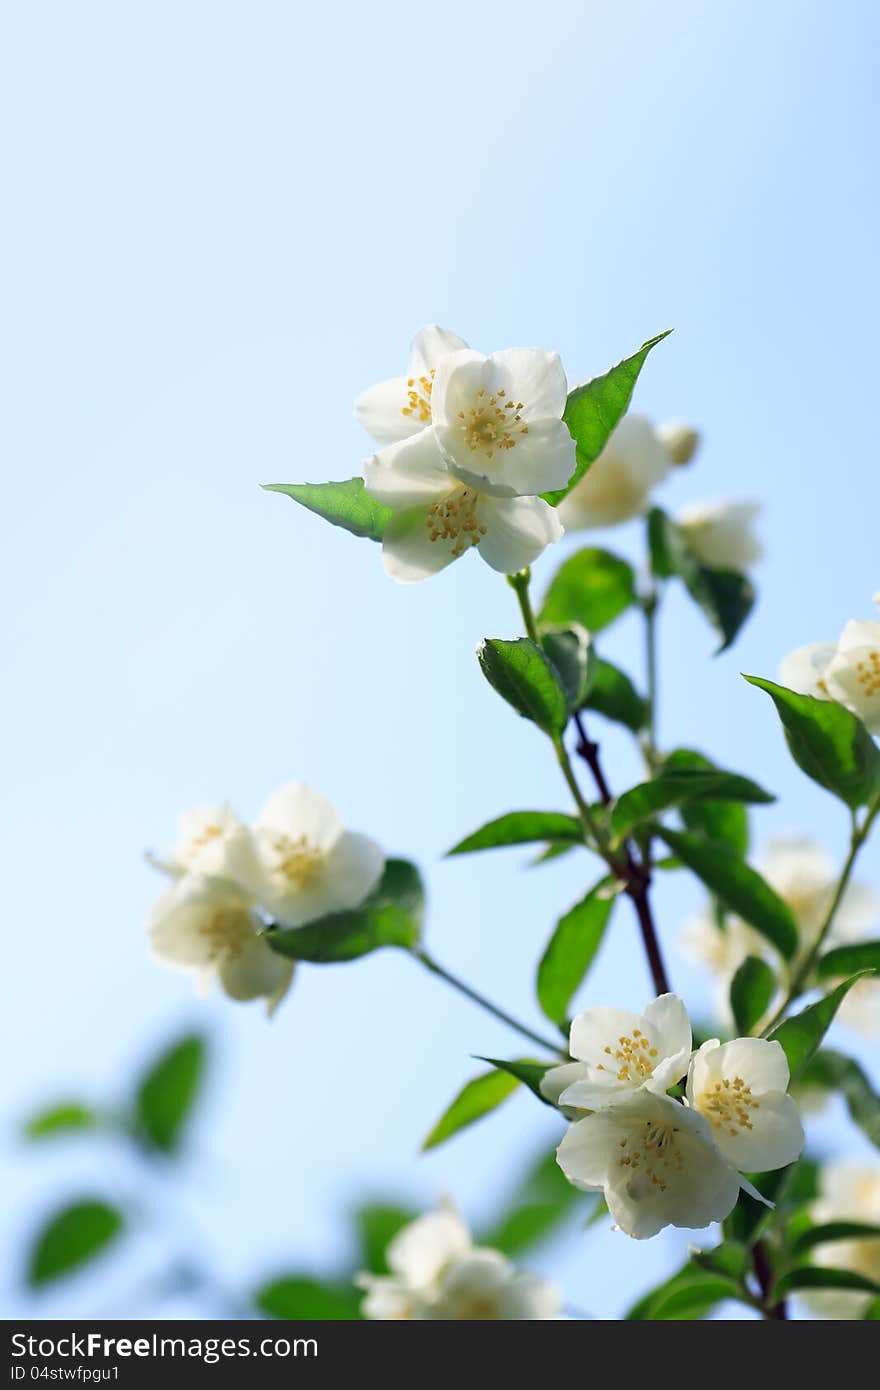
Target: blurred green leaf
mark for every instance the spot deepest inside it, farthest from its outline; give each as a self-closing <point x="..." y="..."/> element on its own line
<point x="747" y="1221"/>
<point x="831" y="1231"/>
<point x="390" y="916"/>
<point x="480" y="1096"/>
<point x="300" y="1297"/>
<point x="849" y="960"/>
<point x="801" y="1034"/>
<point x="690" y="1294"/>
<point x="166" y="1094"/>
<point x="591" y="588"/>
<point x="834" y="1072"/>
<point x="571" y="951"/>
<point x="593" y="410"/>
<point x="522" y="828"/>
<point x="751" y="989"/>
<point x="828" y="743"/>
<point x="343" y="504"/>
<point x="674" y="788"/>
<point x="729" y="1259"/>
<point x="613" y="695"/>
<point x="737" y="886"/>
<point x="872" y="1312"/>
<point x="726" y="597"/>
<point x="71" y="1238"/>
<point x="542" y="1201"/>
<point x="377" y="1224"/>
<point x="522" y="675"/>
<point x="818" y="1277"/>
<point x="67" y="1117"/>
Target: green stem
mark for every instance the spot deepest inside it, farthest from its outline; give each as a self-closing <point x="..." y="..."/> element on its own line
<point x="650" y="606"/>
<point x="520" y="585"/>
<point x="476" y="998"/>
<point x="801" y="975"/>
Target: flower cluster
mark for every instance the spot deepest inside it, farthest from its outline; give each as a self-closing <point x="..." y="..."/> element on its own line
<point x="804" y="877"/>
<point x="437" y="1273"/>
<point x="847" y="671"/>
<point x="296" y="863"/>
<point x="848" y="1191"/>
<point x="664" y="1161"/>
<point x="469" y="444"/>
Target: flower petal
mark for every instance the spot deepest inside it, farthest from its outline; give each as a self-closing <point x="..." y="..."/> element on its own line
<point x="408" y="552"/>
<point x="594" y="1029"/>
<point x="255" y="971"/>
<point x="668" y="1017"/>
<point x="412" y="473"/>
<point x="352" y="870"/>
<point x="536" y="378"/>
<point x="587" y="1149"/>
<point x="298" y="811"/>
<point x="380" y="409"/>
<point x="776" y="1139"/>
<point x="430" y="345"/>
<point x="419" y="1253"/>
<point x="180" y="924"/>
<point x="803" y="670"/>
<point x="518" y="529"/>
<point x="539" y="461"/>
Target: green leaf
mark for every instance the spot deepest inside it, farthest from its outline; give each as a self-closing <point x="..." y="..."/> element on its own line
<point x="522" y="675"/>
<point x="828" y="743"/>
<point x="834" y="1072"/>
<point x="593" y="410"/>
<point x="751" y="989"/>
<point x="737" y="886"/>
<point x="571" y="652"/>
<point x="831" y="1231"/>
<point x="529" y="1073"/>
<point x="747" y="1221"/>
<point x="592" y="588"/>
<point x="613" y="695"/>
<point x="571" y="951"/>
<point x="343" y="504"/>
<point x="801" y="1035"/>
<point x="849" y="960"/>
<point x="390" y="916"/>
<point x="872" y="1312"/>
<point x="717" y="820"/>
<point x="167" y="1093"/>
<point x="377" y="1224"/>
<point x="66" y="1118"/>
<point x="673" y="788"/>
<point x="522" y="828"/>
<point x="816" y="1277"/>
<point x="730" y="1259"/>
<point x="302" y="1298"/>
<point x="540" y="1203"/>
<point x="481" y="1095"/>
<point x="689" y="1294"/>
<point x="72" y="1237"/>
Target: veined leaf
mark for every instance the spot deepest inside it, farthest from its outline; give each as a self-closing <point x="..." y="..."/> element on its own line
<point x="523" y="676"/>
<point x="591" y="588"/>
<point x="801" y="1035"/>
<point x="675" y="788"/>
<point x="476" y="1099"/>
<point x="751" y="990"/>
<point x="343" y="504"/>
<point x="522" y="828"/>
<point x="571" y="951"/>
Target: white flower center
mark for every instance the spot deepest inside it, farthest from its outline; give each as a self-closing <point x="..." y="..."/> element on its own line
<point x="228" y="929"/>
<point x="477" y="1308"/>
<point x="868" y="673"/>
<point x="454" y="518"/>
<point x="296" y="861"/>
<point x="492" y="423"/>
<point x="418" y="397"/>
<point x="728" y="1104"/>
<point x="635" y="1056"/>
<point x="652" y="1155"/>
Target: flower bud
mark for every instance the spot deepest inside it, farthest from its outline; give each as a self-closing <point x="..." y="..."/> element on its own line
<point x="680" y="441"/>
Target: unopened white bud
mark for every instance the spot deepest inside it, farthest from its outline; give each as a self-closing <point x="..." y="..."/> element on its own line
<point x="680" y="441"/>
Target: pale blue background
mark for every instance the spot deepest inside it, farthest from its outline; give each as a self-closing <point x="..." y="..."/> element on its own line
<point x="222" y="221"/>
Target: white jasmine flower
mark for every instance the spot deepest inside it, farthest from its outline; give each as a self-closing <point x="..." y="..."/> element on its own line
<point x="655" y="1160"/>
<point x="438" y="1273"/>
<point x="721" y="534"/>
<point x="618" y="483"/>
<point x="206" y="926"/>
<point x="741" y="1087"/>
<point x="307" y="864"/>
<point x="848" y="1191"/>
<point x="617" y="1052"/>
<point x="470" y="479"/>
<point x="211" y="840"/>
<point x="853" y="673"/>
<point x="803" y="670"/>
<point x="680" y="441"/>
<point x="400" y="408"/>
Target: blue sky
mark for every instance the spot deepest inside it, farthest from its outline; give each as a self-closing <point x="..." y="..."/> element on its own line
<point x="225" y="220"/>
